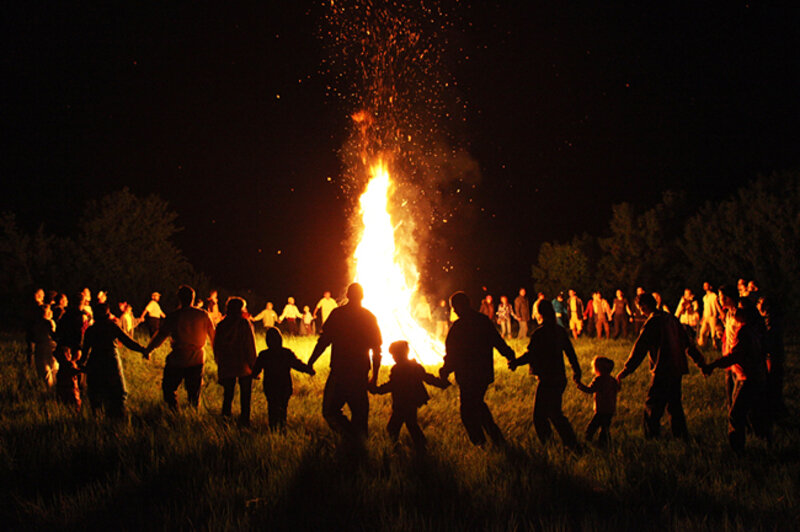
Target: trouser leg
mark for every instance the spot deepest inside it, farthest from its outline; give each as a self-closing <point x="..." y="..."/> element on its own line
<point x="358" y="401"/>
<point x="193" y="381"/>
<point x="737" y="416"/>
<point x="169" y="386"/>
<point x="475" y="414"/>
<point x="332" y="403"/>
<point x="414" y="429"/>
<point x="604" y="422"/>
<point x="654" y="406"/>
<point x="592" y="427"/>
<point x="245" y="394"/>
<point x="675" y="409"/>
<point x="228" y="388"/>
<point x="394" y="425"/>
<point x="548" y="404"/>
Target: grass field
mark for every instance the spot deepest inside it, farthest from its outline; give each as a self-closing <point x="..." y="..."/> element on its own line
<point x="192" y="470"/>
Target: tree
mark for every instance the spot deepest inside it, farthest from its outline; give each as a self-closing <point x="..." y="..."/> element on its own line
<point x="562" y="267"/>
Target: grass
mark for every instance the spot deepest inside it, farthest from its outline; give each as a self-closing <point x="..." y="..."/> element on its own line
<point x="192" y="470"/>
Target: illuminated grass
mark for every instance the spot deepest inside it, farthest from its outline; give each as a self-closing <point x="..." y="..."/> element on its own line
<point x="192" y="470"/>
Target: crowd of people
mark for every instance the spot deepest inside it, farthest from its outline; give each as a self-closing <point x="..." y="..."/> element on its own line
<point x="66" y="342"/>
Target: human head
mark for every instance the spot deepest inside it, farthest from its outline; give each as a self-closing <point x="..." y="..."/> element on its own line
<point x="185" y="295"/>
<point x="687" y="294"/>
<point x="728" y="296"/>
<point x="503" y="299"/>
<point x="155" y="296"/>
<point x="657" y="299"/>
<point x="274" y="338"/>
<point x="488" y="298"/>
<point x="38" y="296"/>
<point x="306" y="308"/>
<point x="269" y="305"/>
<point x="540" y="295"/>
<point x="459" y="301"/>
<point x="741" y="285"/>
<point x="355" y="293"/>
<point x="213" y="296"/>
<point x="47" y="311"/>
<point x="63" y="301"/>
<point x="102" y="296"/>
<point x="707" y="287"/>
<point x="326" y="294"/>
<point x="619" y="294"/>
<point x="752" y="286"/>
<point x="639" y="291"/>
<point x="560" y="296"/>
<point x="522" y="292"/>
<point x="546" y="312"/>
<point x="86" y="295"/>
<point x="290" y="300"/>
<point x="399" y="351"/>
<point x="647" y="303"/>
<point x="602" y="365"/>
<point x="235" y="306"/>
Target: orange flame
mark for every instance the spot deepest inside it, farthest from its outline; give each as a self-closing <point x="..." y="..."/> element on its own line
<point x="389" y="288"/>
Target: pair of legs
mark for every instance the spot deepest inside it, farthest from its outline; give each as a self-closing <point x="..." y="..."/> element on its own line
<point x="601" y="326"/>
<point x="352" y="392"/>
<point x="477" y="417"/>
<point x="523" y="329"/>
<point x="192" y="378"/>
<point x="245" y="393"/>
<point x="277" y="409"/>
<point x="602" y="422"/>
<point x="575" y="325"/>
<point x="664" y="393"/>
<point x="708" y="328"/>
<point x="408" y="416"/>
<point x="748" y="402"/>
<point x="505" y="328"/>
<point x="620" y="326"/>
<point x="547" y="411"/>
<point x="106" y="390"/>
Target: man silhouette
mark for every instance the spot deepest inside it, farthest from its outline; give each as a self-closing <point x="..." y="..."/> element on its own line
<point x="353" y="332"/>
<point x="469" y="354"/>
<point x="190" y="329"/>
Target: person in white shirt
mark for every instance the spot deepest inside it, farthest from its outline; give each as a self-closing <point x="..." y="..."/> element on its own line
<point x="325" y="306"/>
<point x="291" y="314"/>
<point x="268" y="317"/>
<point x="687" y="313"/>
<point x="153" y="314"/>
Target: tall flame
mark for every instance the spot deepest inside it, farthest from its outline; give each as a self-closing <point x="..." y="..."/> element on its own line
<point x="389" y="288"/>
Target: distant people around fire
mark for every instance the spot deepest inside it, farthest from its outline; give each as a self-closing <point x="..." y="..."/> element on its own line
<point x="291" y="317"/>
<point x="688" y="313"/>
<point x="710" y="319"/>
<point x="561" y="310"/>
<point x="212" y="307"/>
<point x="441" y="314"/>
<point x="152" y="314"/>
<point x="576" y="310"/>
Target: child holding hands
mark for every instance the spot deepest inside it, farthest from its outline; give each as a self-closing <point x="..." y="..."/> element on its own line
<point x="408" y="393"/>
<point x="605" y="388"/>
<point x="277" y="362"/>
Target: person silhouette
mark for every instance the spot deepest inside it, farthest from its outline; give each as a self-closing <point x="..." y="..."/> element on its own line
<point x="353" y="332"/>
<point x="549" y="343"/>
<point x="235" y="353"/>
<point x="469" y="353"/>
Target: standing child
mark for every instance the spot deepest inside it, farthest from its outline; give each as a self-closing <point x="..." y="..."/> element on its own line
<point x="307" y="323"/>
<point x="605" y="388"/>
<point x="408" y="393"/>
<point x="277" y="362"/>
<point x="67" y="384"/>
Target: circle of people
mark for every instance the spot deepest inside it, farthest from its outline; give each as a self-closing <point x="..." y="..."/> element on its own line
<point x="65" y="342"/>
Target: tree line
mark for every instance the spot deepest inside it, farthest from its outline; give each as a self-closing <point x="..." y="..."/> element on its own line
<point x="754" y="234"/>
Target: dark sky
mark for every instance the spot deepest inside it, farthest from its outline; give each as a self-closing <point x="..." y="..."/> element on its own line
<point x="224" y="113"/>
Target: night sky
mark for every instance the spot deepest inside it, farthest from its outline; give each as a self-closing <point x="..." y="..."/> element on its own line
<point x="227" y="114"/>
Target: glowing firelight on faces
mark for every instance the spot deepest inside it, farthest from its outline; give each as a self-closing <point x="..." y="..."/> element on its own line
<point x="388" y="288"/>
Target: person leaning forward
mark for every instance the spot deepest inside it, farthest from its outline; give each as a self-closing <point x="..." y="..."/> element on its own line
<point x="190" y="328"/>
<point x="353" y="332"/>
<point x="469" y="354"/>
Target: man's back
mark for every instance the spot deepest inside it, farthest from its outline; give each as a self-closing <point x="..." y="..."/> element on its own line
<point x="189" y="328"/>
<point x="353" y="331"/>
<point x="469" y="346"/>
<point x="547" y="347"/>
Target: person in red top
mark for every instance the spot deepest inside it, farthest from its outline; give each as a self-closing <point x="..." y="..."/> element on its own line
<point x="353" y="332"/>
<point x="665" y="339"/>
<point x="605" y="388"/>
<point x="190" y="328"/>
<point x="406" y="384"/>
<point x="235" y="353"/>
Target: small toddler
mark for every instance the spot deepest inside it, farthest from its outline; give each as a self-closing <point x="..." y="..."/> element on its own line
<point x="605" y="388"/>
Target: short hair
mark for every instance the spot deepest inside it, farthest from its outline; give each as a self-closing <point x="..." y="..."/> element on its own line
<point x="546" y="311"/>
<point x="355" y="292"/>
<point x="646" y="301"/>
<point x="234" y="305"/>
<point x="398" y="348"/>
<point x="274" y="338"/>
<point x="185" y="295"/>
<point x="603" y="365"/>
<point x="459" y="301"/>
